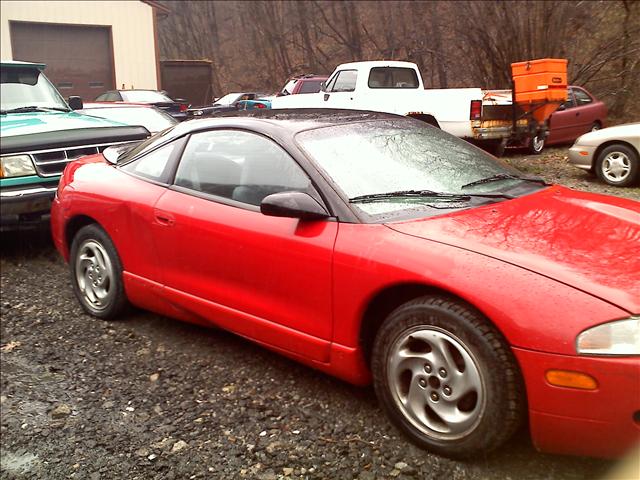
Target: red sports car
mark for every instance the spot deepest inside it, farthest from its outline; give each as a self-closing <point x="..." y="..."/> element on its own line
<point x="377" y="248"/>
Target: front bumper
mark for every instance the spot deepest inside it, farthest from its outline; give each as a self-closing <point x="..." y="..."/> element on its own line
<point x="581" y="156"/>
<point x="25" y="206"/>
<point x="601" y="423"/>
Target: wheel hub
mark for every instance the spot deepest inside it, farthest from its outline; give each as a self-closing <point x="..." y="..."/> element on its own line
<point x="94" y="274"/>
<point x="616" y="166"/>
<point x="436" y="382"/>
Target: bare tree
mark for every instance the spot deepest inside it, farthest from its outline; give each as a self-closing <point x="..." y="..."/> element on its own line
<point x="258" y="44"/>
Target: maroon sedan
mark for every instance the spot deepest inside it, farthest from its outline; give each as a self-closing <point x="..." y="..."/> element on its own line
<point x="581" y="113"/>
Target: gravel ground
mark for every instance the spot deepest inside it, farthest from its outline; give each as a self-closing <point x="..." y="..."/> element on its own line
<point x="554" y="167"/>
<point x="152" y="398"/>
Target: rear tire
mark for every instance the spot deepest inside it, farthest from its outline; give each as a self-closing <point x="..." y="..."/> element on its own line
<point x="447" y="378"/>
<point x="96" y="273"/>
<point x="536" y="145"/>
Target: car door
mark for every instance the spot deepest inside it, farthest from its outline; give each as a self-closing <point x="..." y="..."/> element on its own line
<point x="340" y="91"/>
<point x="264" y="277"/>
<point x="562" y="123"/>
<point x="586" y="109"/>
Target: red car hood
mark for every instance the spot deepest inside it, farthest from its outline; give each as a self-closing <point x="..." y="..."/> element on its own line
<point x="588" y="241"/>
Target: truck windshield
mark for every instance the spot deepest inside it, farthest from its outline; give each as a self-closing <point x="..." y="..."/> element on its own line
<point x="28" y="87"/>
<point x="385" y="156"/>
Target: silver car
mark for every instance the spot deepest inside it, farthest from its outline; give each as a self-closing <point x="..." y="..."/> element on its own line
<point x="611" y="153"/>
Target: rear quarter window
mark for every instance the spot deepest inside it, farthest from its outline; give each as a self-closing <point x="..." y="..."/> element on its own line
<point x="393" y="77"/>
<point x="310" y="86"/>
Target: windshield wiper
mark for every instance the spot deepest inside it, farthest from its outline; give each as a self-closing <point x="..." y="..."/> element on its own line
<point x="33" y="108"/>
<point x="504" y="176"/>
<point x="425" y="194"/>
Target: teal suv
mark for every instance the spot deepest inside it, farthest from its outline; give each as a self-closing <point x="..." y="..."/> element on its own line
<point x="40" y="134"/>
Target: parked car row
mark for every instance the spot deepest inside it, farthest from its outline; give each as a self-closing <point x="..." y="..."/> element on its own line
<point x="232" y="102"/>
<point x="176" y="108"/>
<point x="380" y="249"/>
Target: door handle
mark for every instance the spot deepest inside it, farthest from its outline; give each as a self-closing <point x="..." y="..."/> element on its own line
<point x="326" y="97"/>
<point x="164" y="218"/>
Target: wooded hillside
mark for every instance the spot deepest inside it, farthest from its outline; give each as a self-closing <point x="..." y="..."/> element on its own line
<point x="256" y="45"/>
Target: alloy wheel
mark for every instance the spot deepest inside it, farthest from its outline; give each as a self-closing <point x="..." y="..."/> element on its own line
<point x="436" y="383"/>
<point x="616" y="167"/>
<point x="94" y="274"/>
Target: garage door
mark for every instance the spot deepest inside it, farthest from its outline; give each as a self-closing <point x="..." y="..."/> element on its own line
<point x="79" y="58"/>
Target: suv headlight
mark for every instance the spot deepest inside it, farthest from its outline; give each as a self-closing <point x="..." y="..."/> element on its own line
<point x="16" y="166"/>
<point x="621" y="337"/>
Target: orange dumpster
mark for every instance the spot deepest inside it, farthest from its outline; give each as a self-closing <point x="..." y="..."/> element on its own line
<point x="540" y="86"/>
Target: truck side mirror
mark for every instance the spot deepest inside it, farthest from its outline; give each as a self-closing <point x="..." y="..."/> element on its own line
<point x="323" y="87"/>
<point x="75" y="102"/>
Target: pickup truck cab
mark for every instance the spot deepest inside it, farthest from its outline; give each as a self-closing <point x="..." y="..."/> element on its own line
<point x="40" y="135"/>
<point x="397" y="87"/>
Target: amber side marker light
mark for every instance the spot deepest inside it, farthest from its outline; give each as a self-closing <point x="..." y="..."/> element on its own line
<point x="583" y="153"/>
<point x="569" y="379"/>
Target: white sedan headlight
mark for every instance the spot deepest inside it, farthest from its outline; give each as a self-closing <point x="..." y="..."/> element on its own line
<point x="621" y="337"/>
<point x="16" y="166"/>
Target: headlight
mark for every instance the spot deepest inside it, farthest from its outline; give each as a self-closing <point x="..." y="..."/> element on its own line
<point x="16" y="166"/>
<point x="614" y="338"/>
<point x="197" y="113"/>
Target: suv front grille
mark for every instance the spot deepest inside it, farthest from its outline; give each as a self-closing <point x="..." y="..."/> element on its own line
<point x="50" y="163"/>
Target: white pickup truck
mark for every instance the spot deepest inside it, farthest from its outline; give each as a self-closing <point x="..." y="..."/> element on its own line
<point x="483" y="116"/>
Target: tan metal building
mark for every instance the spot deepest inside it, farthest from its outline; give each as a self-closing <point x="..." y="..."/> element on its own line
<point x="89" y="47"/>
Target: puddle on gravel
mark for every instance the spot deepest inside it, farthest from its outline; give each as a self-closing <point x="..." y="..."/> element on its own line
<point x="19" y="463"/>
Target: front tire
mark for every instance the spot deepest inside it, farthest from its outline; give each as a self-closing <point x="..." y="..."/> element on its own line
<point x="618" y="165"/>
<point x="96" y="273"/>
<point x="446" y="377"/>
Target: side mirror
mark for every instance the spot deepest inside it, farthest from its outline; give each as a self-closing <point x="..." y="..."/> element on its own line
<point x="75" y="103"/>
<point x="293" y="205"/>
<point x="561" y="107"/>
<point x="323" y="87"/>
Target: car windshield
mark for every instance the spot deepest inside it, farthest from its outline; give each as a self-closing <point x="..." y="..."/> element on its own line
<point x="28" y="87"/>
<point x="144" y="96"/>
<point x="148" y="144"/>
<point x="152" y="119"/>
<point x="391" y="156"/>
<point x="228" y="99"/>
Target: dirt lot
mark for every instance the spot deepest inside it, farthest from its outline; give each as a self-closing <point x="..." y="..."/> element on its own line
<point x="149" y="397"/>
<point x="554" y="167"/>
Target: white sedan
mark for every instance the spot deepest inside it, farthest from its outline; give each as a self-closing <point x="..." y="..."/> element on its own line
<point x="611" y="153"/>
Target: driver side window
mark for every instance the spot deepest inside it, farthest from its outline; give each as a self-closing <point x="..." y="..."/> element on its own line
<point x="345" y="81"/>
<point x="238" y="165"/>
<point x="570" y="103"/>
